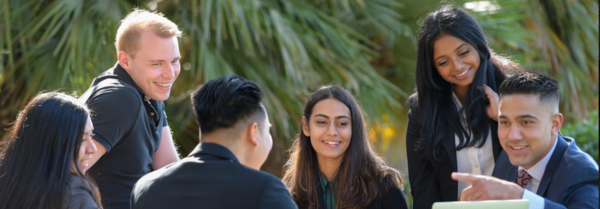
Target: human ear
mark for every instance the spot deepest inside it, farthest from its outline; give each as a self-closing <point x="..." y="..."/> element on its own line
<point x="123" y="58"/>
<point x="252" y="133"/>
<point x="305" y="127"/>
<point x="557" y="120"/>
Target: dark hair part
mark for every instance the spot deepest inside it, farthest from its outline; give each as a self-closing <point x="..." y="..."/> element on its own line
<point x="532" y="83"/>
<point x="36" y="162"/>
<point x="222" y="102"/>
<point x="434" y="94"/>
<point x="361" y="172"/>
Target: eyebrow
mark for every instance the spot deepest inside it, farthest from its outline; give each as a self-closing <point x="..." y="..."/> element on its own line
<point x="526" y="116"/>
<point x="519" y="117"/>
<point x="337" y="117"/>
<point x="161" y="60"/>
<point x="457" y="48"/>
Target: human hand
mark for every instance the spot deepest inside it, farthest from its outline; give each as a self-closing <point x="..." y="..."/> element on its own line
<point x="487" y="188"/>
<point x="492" y="108"/>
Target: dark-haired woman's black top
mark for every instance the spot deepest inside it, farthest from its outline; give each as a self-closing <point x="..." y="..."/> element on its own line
<point x="431" y="181"/>
<point x="387" y="198"/>
<point x="79" y="195"/>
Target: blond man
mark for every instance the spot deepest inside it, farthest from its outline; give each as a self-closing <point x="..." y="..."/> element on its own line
<point x="131" y="130"/>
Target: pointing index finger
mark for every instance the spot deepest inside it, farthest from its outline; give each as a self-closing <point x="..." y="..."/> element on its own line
<point x="469" y="178"/>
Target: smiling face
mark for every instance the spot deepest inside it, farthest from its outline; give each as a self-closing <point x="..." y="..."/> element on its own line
<point x="87" y="148"/>
<point x="455" y="60"/>
<point x="155" y="65"/>
<point x="329" y="128"/>
<point x="527" y="128"/>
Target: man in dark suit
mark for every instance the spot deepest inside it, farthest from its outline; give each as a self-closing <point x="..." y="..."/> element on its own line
<point x="537" y="163"/>
<point x="223" y="170"/>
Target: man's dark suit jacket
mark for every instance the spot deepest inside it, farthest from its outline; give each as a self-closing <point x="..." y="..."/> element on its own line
<point x="387" y="198"/>
<point x="430" y="180"/>
<point x="211" y="177"/>
<point x="570" y="179"/>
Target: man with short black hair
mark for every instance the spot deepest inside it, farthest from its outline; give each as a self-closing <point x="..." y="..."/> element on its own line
<point x="223" y="170"/>
<point x="537" y="164"/>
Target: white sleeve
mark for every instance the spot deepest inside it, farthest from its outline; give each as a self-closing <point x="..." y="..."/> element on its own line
<point x="535" y="201"/>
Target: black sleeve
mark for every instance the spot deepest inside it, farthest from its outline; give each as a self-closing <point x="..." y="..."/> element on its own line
<point x="394" y="198"/>
<point x="114" y="111"/>
<point x="275" y="195"/>
<point x="136" y="193"/>
<point x="424" y="186"/>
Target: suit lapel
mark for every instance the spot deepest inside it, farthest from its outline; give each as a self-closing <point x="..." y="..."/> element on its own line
<point x="559" y="151"/>
<point x="504" y="170"/>
<point x="512" y="173"/>
<point x="450" y="146"/>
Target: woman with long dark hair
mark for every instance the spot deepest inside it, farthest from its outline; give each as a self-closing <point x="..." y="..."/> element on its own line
<point x="452" y="119"/>
<point x="332" y="164"/>
<point x="42" y="163"/>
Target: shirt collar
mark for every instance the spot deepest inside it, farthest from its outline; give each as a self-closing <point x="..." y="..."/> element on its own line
<point x="462" y="115"/>
<point x="324" y="182"/>
<point x="537" y="171"/>
<point x="215" y="150"/>
<point x="124" y="75"/>
<point x="456" y="101"/>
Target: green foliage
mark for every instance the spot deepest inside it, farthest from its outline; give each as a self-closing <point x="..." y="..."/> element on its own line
<point x="585" y="133"/>
<point x="289" y="48"/>
<point x="559" y="38"/>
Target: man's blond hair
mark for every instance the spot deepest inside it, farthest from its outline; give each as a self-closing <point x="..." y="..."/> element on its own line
<point x="135" y="23"/>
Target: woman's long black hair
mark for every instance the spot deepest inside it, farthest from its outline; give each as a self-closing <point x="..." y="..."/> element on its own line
<point x="36" y="161"/>
<point x="434" y="94"/>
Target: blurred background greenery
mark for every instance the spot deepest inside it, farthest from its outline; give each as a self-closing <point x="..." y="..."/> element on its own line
<point x="290" y="48"/>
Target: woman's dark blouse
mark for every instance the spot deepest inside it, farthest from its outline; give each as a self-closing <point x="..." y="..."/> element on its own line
<point x="388" y="198"/>
<point x="79" y="194"/>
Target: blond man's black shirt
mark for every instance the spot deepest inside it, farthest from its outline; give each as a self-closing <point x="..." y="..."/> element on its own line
<point x="129" y="126"/>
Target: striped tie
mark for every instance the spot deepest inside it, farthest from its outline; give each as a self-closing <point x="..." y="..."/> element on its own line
<point x="524" y="178"/>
